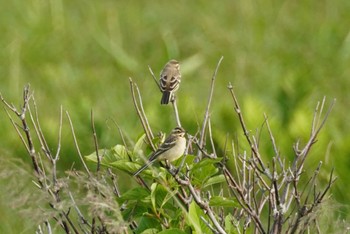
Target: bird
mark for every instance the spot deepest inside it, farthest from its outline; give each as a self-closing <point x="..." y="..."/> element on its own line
<point x="173" y="148"/>
<point x="169" y="81"/>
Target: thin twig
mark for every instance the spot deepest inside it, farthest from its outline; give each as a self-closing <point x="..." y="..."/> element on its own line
<point x="76" y="145"/>
<point x="189" y="143"/>
<point x="242" y="199"/>
<point x="36" y="123"/>
<point x="115" y="182"/>
<point x="206" y="115"/>
<point x="209" y="225"/>
<point x="18" y="131"/>
<point x="83" y="220"/>
<point x="123" y="139"/>
<point x="211" y="139"/>
<point x="205" y="206"/>
<point x="234" y="155"/>
<point x="141" y="117"/>
<point x="59" y="135"/>
<point x="143" y="112"/>
<point x="273" y="141"/>
<point x="154" y="77"/>
<point x="301" y="154"/>
<point x="176" y="111"/>
<point x="56" y="158"/>
<point x="95" y="142"/>
<point x="22" y="116"/>
<point x="244" y="128"/>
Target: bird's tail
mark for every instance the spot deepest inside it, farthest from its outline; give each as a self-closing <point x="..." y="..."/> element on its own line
<point x="142" y="168"/>
<point x="165" y="97"/>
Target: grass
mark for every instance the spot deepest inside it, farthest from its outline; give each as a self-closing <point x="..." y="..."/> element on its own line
<point x="281" y="57"/>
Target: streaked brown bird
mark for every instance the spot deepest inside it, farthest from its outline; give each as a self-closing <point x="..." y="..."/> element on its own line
<point x="169" y="81"/>
<point x="173" y="147"/>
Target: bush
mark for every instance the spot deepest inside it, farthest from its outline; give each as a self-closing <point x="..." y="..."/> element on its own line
<point x="232" y="189"/>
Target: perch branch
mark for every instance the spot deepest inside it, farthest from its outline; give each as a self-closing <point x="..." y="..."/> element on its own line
<point x="141" y="117"/>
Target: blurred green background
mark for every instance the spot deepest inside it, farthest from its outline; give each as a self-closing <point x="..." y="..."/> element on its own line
<point x="281" y="57"/>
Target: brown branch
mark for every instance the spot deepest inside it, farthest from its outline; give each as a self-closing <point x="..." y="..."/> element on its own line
<point x="22" y="116"/>
<point x="154" y="78"/>
<point x="206" y="115"/>
<point x="95" y="142"/>
<point x="242" y="199"/>
<point x="176" y="111"/>
<point x="76" y="145"/>
<point x="36" y="123"/>
<point x="141" y="117"/>
<point x="18" y="131"/>
<point x="143" y="112"/>
<point x="244" y="128"/>
<point x="273" y="141"/>
<point x="301" y="154"/>
<point x="198" y="199"/>
<point x="211" y="139"/>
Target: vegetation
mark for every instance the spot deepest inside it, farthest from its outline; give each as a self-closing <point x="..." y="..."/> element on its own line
<point x="281" y="58"/>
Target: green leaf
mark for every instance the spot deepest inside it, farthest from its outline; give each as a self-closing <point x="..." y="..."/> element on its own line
<point x="193" y="219"/>
<point x="204" y="170"/>
<point x="134" y="209"/>
<point x="189" y="160"/>
<point x="109" y="156"/>
<point x="120" y="152"/>
<point x="93" y="158"/>
<point x="153" y="196"/>
<point x="149" y="231"/>
<point x="139" y="146"/>
<point x="148" y="225"/>
<point x="160" y="196"/>
<point x="176" y="219"/>
<point x="222" y="201"/>
<point x="172" y="231"/>
<point x="214" y="180"/>
<point x="125" y="165"/>
<point x="206" y="162"/>
<point x="137" y="193"/>
<point x="229" y="227"/>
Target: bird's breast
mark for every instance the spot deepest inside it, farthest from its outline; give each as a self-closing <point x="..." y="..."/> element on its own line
<point x="175" y="152"/>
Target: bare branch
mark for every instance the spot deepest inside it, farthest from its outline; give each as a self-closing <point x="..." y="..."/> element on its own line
<point x="114" y="181"/>
<point x="244" y="128"/>
<point x="206" y="115"/>
<point x="77" y="146"/>
<point x="36" y="123"/>
<point x="59" y="135"/>
<point x="143" y="112"/>
<point x="271" y="136"/>
<point x="141" y="117"/>
<point x="95" y="141"/>
<point x="22" y="116"/>
<point x="209" y="225"/>
<point x="242" y="199"/>
<point x="83" y="220"/>
<point x="176" y="112"/>
<point x="154" y="77"/>
<point x="18" y="131"/>
<point x="211" y="139"/>
<point x="301" y="154"/>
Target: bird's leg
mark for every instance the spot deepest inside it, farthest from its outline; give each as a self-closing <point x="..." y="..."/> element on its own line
<point x="173" y="98"/>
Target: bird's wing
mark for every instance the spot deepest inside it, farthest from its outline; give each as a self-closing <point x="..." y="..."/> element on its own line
<point x="168" y="144"/>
